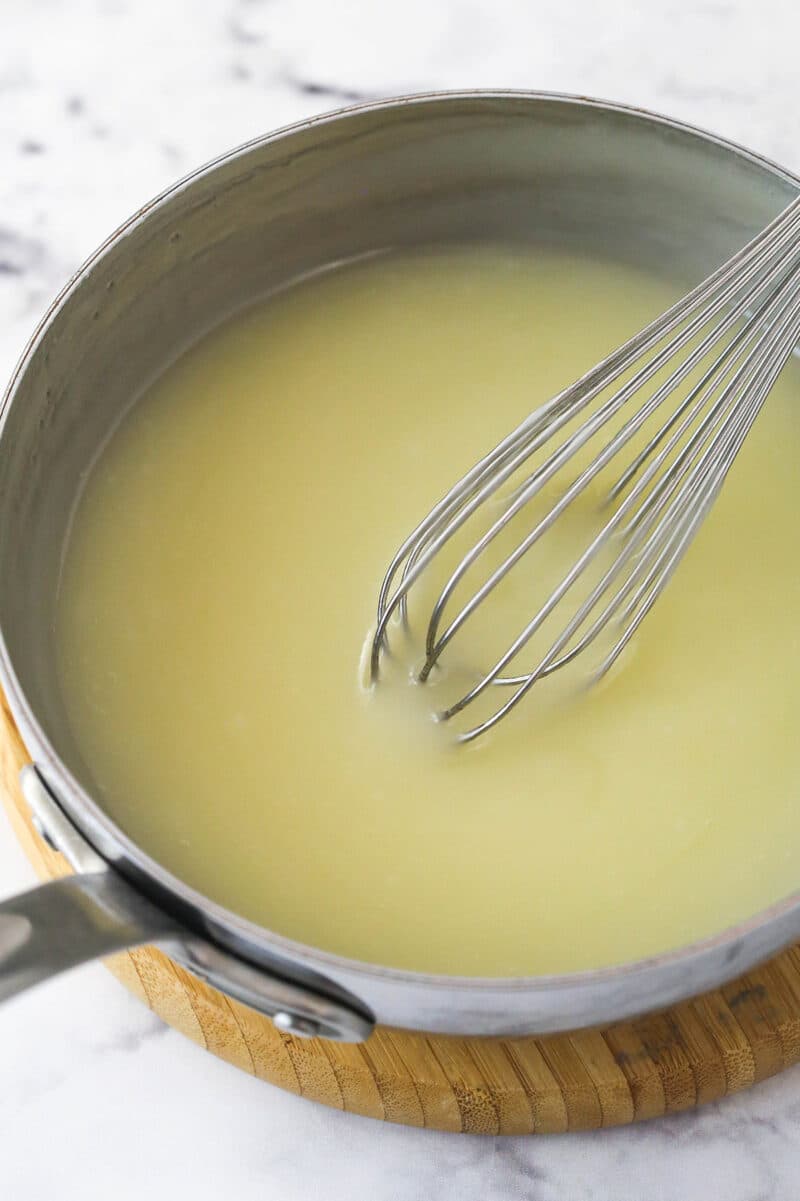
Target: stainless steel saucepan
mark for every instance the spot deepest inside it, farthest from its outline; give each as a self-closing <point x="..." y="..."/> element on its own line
<point x="507" y="167"/>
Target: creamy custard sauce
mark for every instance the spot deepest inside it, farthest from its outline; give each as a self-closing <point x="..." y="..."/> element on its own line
<point x="220" y="580"/>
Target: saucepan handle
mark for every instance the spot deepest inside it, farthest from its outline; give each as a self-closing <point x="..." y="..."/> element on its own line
<point x="73" y="920"/>
<point x="97" y="912"/>
<point x="68" y="922"/>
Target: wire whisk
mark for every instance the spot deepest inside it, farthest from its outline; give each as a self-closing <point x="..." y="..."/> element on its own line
<point x="726" y="341"/>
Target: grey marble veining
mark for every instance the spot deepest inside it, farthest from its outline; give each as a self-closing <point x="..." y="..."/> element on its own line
<point x="102" y="104"/>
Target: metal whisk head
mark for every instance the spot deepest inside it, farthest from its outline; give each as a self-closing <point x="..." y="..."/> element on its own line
<point x="668" y="448"/>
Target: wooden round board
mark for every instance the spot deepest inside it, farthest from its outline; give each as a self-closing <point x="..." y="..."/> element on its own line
<point x="694" y="1052"/>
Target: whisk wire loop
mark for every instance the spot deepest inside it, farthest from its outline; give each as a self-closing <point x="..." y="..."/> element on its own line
<point x="735" y="330"/>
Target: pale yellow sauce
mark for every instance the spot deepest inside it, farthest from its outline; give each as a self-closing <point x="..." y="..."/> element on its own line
<point x="220" y="580"/>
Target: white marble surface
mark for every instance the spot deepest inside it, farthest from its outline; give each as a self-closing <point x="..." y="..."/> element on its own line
<point x="103" y="103"/>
